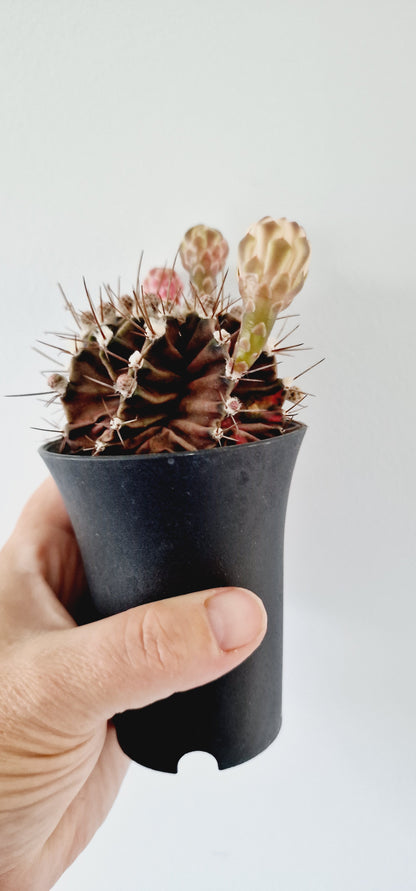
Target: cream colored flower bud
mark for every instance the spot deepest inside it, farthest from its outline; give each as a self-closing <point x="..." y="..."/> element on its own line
<point x="273" y="262"/>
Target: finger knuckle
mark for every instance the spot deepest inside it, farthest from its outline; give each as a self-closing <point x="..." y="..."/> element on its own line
<point x="160" y="647"/>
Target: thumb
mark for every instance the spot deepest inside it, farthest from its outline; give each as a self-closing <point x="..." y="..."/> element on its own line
<point x="147" y="653"/>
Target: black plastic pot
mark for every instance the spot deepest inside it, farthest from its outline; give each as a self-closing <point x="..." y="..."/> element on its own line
<point x="153" y="526"/>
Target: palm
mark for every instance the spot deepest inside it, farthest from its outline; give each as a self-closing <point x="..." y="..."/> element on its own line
<point x="72" y="789"/>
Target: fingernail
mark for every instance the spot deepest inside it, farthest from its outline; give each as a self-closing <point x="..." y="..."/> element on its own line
<point x="237" y="617"/>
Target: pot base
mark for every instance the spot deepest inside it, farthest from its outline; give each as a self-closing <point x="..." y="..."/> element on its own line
<point x="154" y="738"/>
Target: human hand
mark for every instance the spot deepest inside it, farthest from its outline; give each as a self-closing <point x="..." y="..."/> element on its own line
<point x="60" y="762"/>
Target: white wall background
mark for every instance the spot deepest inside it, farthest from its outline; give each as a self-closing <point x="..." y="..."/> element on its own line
<point x="123" y="123"/>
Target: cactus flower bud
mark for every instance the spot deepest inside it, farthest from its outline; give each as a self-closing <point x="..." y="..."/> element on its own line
<point x="203" y="253"/>
<point x="163" y="283"/>
<point x="273" y="264"/>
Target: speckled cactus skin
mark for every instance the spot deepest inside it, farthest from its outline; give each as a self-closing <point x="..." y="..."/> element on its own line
<point x="163" y="370"/>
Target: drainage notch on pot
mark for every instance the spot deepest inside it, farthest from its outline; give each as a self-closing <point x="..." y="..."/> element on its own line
<point x="153" y="526"/>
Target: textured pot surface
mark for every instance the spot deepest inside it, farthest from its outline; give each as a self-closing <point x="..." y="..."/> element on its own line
<point x="154" y="526"/>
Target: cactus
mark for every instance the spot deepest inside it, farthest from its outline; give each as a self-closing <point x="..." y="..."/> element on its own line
<point x="162" y="371"/>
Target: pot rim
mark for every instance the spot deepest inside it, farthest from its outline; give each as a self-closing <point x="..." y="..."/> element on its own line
<point x="51" y="449"/>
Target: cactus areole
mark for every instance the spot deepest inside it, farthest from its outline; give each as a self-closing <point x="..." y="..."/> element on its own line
<point x="170" y="368"/>
<point x="175" y="466"/>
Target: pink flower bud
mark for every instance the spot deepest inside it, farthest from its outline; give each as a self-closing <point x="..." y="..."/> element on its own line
<point x="203" y="253"/>
<point x="163" y="283"/>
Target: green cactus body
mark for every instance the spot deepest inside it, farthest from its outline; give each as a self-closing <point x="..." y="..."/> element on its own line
<point x="256" y="326"/>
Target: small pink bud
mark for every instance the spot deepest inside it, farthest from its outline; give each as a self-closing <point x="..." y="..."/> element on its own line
<point x="163" y="283"/>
